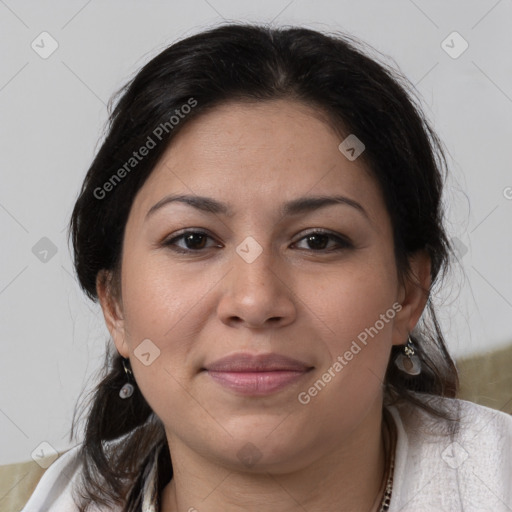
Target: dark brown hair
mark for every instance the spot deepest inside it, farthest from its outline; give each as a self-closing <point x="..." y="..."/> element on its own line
<point x="359" y="95"/>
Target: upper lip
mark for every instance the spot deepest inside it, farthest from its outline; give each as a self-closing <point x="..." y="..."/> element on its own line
<point x="257" y="363"/>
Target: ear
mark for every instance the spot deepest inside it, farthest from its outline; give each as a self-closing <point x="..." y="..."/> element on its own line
<point x="413" y="296"/>
<point x="112" y="310"/>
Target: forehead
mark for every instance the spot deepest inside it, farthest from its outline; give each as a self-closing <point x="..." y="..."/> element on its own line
<point x="242" y="152"/>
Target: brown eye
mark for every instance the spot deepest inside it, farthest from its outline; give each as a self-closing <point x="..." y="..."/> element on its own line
<point x="320" y="240"/>
<point x="189" y="241"/>
<point x="195" y="240"/>
<point x="317" y="242"/>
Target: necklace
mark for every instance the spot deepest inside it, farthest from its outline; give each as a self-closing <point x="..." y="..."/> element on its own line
<point x="386" y="498"/>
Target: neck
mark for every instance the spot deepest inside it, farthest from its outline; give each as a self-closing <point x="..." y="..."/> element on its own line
<point x="351" y="476"/>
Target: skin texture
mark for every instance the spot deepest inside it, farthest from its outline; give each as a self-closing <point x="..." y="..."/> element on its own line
<point x="294" y="299"/>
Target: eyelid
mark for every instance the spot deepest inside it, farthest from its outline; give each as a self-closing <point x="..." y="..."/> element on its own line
<point x="180" y="232"/>
<point x="320" y="231"/>
<point x="168" y="240"/>
<point x="342" y="239"/>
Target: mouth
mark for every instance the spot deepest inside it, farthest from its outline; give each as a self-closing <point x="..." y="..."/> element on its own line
<point x="256" y="375"/>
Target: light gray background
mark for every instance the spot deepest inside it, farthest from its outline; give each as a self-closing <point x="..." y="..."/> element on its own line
<point x="52" y="115"/>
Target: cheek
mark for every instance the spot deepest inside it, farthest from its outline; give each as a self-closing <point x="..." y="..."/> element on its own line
<point x="157" y="297"/>
<point x="353" y="298"/>
<point x="357" y="308"/>
<point x="357" y="316"/>
<point x="161" y="319"/>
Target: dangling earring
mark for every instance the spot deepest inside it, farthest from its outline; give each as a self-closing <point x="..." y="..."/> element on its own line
<point x="408" y="361"/>
<point x="128" y="389"/>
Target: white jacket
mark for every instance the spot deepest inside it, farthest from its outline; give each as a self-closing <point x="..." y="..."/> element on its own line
<point x="470" y="471"/>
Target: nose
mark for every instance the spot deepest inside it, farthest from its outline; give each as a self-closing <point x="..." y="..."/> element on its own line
<point x="257" y="294"/>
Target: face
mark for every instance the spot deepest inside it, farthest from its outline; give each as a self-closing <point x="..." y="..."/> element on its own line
<point x="260" y="269"/>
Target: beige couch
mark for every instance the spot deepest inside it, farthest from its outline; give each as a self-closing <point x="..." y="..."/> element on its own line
<point x="485" y="380"/>
<point x="17" y="482"/>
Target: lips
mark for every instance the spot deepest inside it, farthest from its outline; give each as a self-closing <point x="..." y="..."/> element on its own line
<point x="256" y="375"/>
<point x="259" y="363"/>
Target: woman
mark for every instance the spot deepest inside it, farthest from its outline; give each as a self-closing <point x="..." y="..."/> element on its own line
<point x="263" y="228"/>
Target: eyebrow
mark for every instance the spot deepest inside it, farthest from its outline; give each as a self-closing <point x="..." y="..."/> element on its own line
<point x="294" y="207"/>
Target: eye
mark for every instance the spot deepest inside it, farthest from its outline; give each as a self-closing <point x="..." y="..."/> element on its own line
<point x="196" y="241"/>
<point x="319" y="240"/>
<point x="192" y="241"/>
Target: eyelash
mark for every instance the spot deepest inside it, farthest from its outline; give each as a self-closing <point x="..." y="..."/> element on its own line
<point x="342" y="242"/>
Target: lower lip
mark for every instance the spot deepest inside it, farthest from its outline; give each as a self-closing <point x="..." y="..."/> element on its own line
<point x="256" y="383"/>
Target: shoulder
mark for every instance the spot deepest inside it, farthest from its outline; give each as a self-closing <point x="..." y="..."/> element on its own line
<point x="475" y="426"/>
<point x="470" y="420"/>
<point x="54" y="492"/>
<point x="464" y="464"/>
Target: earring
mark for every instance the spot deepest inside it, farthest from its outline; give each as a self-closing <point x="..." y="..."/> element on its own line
<point x="408" y="361"/>
<point x="128" y="389"/>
